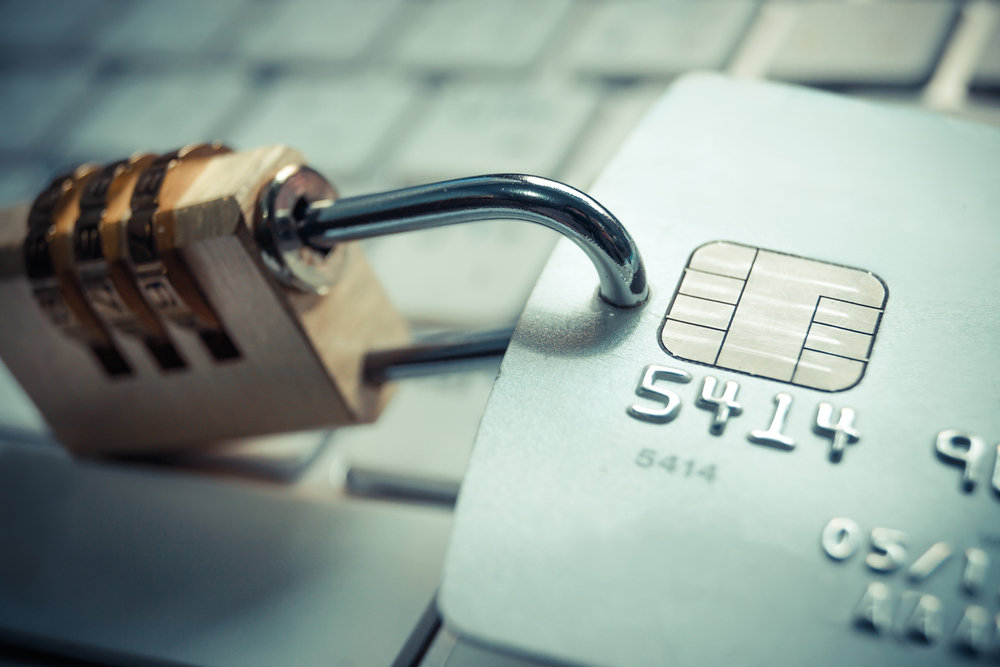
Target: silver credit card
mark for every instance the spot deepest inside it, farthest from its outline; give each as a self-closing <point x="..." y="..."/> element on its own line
<point x="789" y="455"/>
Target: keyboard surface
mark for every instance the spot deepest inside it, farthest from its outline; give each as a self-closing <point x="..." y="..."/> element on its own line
<point x="388" y="93"/>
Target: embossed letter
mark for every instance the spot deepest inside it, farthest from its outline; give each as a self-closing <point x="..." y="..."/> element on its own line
<point x="973" y="630"/>
<point x="874" y="612"/>
<point x="996" y="472"/>
<point x="976" y="564"/>
<point x="926" y="624"/>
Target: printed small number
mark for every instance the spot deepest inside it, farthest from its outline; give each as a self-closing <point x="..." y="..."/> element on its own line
<point x="647" y="458"/>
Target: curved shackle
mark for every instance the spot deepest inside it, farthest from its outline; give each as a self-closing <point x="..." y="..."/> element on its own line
<point x="505" y="196"/>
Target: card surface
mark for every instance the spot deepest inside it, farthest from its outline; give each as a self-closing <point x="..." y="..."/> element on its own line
<point x="789" y="455"/>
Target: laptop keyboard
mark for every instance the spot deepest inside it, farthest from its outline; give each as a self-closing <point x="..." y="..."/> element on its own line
<point x="387" y="93"/>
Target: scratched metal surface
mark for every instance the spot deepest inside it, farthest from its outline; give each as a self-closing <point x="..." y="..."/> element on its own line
<point x="568" y="546"/>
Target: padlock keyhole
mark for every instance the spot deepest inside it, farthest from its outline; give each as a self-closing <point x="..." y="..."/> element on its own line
<point x="300" y="210"/>
<point x="299" y="214"/>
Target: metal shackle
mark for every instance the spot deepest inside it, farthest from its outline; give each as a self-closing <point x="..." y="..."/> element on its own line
<point x="325" y="223"/>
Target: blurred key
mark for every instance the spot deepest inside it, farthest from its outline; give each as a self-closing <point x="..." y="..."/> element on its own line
<point x="314" y="29"/>
<point x="186" y="570"/>
<point x="988" y="73"/>
<point x="894" y="43"/>
<point x="456" y="34"/>
<point x="479" y="275"/>
<point x="476" y="128"/>
<point x="21" y="182"/>
<point x="476" y="275"/>
<point x="645" y="38"/>
<point x="157" y="112"/>
<point x="178" y="26"/>
<point x="45" y="23"/>
<point x="338" y="123"/>
<point x="618" y="114"/>
<point x="31" y="102"/>
<point x="425" y="433"/>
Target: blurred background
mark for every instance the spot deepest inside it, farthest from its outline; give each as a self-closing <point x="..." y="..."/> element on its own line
<point x="381" y="94"/>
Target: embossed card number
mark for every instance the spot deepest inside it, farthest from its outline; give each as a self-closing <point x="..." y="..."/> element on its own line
<point x="723" y="406"/>
<point x="914" y="616"/>
<point x="952" y="446"/>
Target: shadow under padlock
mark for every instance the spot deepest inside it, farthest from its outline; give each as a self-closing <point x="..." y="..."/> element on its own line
<point x="162" y="303"/>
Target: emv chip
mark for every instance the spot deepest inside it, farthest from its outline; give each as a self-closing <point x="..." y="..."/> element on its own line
<point x="773" y="315"/>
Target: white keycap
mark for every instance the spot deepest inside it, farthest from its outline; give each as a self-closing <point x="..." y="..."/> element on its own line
<point x="30" y="103"/>
<point x="313" y="29"/>
<point x="891" y="43"/>
<point x="44" y="23"/>
<point x="649" y="38"/>
<point x="178" y="26"/>
<point x="157" y="113"/>
<point x="472" y="275"/>
<point x="479" y="274"/>
<point x="337" y="123"/>
<point x="618" y="114"/>
<point x="476" y="128"/>
<point x="169" y="568"/>
<point x="425" y="432"/>
<point x="455" y="34"/>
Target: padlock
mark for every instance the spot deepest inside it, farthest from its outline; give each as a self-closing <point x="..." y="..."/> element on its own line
<point x="141" y="313"/>
<point x="165" y="302"/>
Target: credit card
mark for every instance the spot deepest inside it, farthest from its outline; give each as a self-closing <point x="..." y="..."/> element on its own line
<point x="788" y="456"/>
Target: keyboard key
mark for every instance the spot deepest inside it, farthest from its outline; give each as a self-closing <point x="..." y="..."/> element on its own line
<point x="30" y="103"/>
<point x="158" y="112"/>
<point x="456" y="34"/>
<point x="844" y="43"/>
<point x="646" y="38"/>
<point x="22" y="183"/>
<point x="988" y="113"/>
<point x="312" y="29"/>
<point x="471" y="275"/>
<point x="338" y="123"/>
<point x="178" y="26"/>
<point x="425" y="432"/>
<point x="476" y="128"/>
<point x="47" y="23"/>
<point x="614" y="120"/>
<point x="988" y="72"/>
<point x="146" y="567"/>
<point x="481" y="274"/>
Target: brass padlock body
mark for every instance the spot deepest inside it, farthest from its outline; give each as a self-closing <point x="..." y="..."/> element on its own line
<point x="298" y="361"/>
